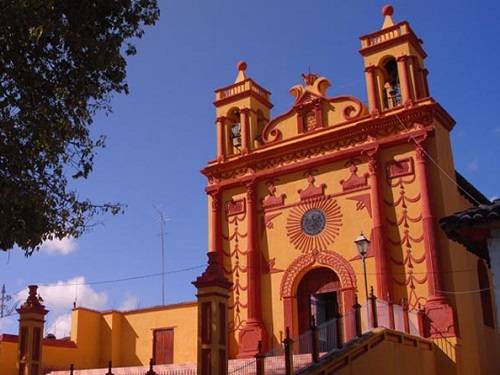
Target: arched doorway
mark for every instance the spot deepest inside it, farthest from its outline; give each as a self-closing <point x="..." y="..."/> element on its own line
<point x="318" y="296"/>
<point x="299" y="269"/>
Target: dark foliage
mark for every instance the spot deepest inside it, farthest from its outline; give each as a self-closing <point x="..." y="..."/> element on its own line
<point x="60" y="62"/>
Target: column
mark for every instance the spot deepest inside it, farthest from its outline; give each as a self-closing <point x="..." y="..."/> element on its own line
<point x="220" y="138"/>
<point x="380" y="251"/>
<point x="404" y="80"/>
<point x="215" y="243"/>
<point x="213" y="294"/>
<point x="31" y="320"/>
<point x="245" y="130"/>
<point x="254" y="329"/>
<point x="434" y="282"/>
<point x="372" y="89"/>
<point x="416" y="77"/>
<point x="441" y="322"/>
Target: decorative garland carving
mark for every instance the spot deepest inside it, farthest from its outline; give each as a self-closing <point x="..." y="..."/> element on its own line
<point x="406" y="243"/>
<point x="329" y="259"/>
<point x="236" y="269"/>
<point x="308" y="243"/>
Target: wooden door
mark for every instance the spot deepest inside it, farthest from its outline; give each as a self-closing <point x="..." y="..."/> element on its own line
<point x="163" y="346"/>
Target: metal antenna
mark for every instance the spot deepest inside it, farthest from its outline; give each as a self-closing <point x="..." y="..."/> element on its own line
<point x="3" y="302"/>
<point x="162" y="236"/>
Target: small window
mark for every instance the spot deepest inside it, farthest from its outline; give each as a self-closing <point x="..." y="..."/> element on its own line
<point x="485" y="294"/>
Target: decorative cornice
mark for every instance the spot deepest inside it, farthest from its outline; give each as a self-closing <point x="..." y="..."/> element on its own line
<point x="378" y="132"/>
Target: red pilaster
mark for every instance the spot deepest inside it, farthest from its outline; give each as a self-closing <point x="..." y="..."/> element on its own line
<point x="220" y="123"/>
<point x="245" y="130"/>
<point x="254" y="329"/>
<point x="404" y="78"/>
<point x="440" y="314"/>
<point x="379" y="248"/>
<point x="215" y="245"/>
<point x="372" y="89"/>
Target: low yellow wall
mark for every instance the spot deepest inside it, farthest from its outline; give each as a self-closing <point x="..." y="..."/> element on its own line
<point x="388" y="352"/>
<point x="126" y="338"/>
<point x="55" y="357"/>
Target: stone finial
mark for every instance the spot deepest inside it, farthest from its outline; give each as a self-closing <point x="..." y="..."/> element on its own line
<point x="33" y="303"/>
<point x="242" y="67"/>
<point x="387" y="12"/>
<point x="213" y="274"/>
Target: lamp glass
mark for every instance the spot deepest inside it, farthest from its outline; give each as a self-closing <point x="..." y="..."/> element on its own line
<point x="362" y="244"/>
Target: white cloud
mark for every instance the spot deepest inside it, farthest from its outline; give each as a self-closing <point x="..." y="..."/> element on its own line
<point x="62" y="294"/>
<point x="473" y="165"/>
<point x="61" y="326"/>
<point x="130" y="302"/>
<point x="59" y="247"/>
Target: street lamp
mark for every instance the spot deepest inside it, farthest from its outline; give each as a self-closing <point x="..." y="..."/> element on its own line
<point x="362" y="243"/>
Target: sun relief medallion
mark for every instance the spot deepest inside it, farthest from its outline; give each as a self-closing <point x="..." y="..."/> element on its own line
<point x="314" y="224"/>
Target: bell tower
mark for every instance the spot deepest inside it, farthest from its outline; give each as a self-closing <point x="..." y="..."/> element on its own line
<point x="394" y="66"/>
<point x="242" y="110"/>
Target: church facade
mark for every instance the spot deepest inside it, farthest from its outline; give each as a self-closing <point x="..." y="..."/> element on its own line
<point x="289" y="195"/>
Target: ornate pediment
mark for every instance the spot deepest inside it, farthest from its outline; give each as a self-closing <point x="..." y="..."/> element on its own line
<point x="314" y="87"/>
<point x="312" y="111"/>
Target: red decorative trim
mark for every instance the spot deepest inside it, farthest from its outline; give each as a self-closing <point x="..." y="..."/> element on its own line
<point x="333" y="221"/>
<point x="272" y="162"/>
<point x="306" y="262"/>
<point x="268" y="220"/>
<point x="311" y="191"/>
<point x="269" y="266"/>
<point x="400" y="168"/>
<point x="271" y="134"/>
<point x="301" y="264"/>
<point x="354" y="181"/>
<point x="61" y="343"/>
<point x="362" y="201"/>
<point x="234" y="207"/>
<point x="271" y="200"/>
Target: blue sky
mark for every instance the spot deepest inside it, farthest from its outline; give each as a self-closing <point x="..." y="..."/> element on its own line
<point x="163" y="133"/>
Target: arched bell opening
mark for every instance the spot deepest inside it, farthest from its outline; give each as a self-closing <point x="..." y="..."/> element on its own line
<point x="391" y="88"/>
<point x="233" y="131"/>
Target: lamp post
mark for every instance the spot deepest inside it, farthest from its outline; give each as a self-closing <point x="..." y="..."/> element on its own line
<point x="362" y="244"/>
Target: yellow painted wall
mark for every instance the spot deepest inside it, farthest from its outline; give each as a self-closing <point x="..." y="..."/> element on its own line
<point x="8" y="358"/>
<point x="126" y="338"/>
<point x="54" y="357"/>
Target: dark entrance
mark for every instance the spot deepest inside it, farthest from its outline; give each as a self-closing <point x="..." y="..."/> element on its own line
<point x="318" y="297"/>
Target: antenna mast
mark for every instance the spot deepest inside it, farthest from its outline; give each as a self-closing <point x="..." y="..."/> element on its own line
<point x="162" y="236"/>
<point x="4" y="311"/>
